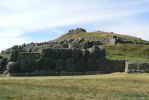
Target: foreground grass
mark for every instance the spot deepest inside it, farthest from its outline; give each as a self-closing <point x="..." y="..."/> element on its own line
<point x="117" y="86"/>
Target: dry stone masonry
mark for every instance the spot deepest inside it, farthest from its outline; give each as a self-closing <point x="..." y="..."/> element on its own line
<point x="137" y="68"/>
<point x="82" y="55"/>
<point x="62" y="61"/>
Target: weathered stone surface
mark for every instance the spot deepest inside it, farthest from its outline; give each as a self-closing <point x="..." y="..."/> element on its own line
<point x="60" y="65"/>
<point x="27" y="61"/>
<point x="97" y="52"/>
<point x="70" y="65"/>
<point x="1" y="62"/>
<point x="12" y="67"/>
<point x="137" y="67"/>
<point x="85" y="53"/>
<point x="57" y="59"/>
<point x="13" y="55"/>
<point x="80" y="65"/>
<point x="76" y="53"/>
<point x="47" y="63"/>
<point x="56" y="53"/>
<point x="109" y="66"/>
<point x="46" y="52"/>
<point x="91" y="64"/>
<point x="27" y="65"/>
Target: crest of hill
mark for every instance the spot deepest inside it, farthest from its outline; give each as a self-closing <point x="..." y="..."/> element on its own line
<point x="82" y="33"/>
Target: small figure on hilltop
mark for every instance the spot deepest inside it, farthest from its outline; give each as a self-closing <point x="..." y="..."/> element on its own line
<point x="78" y="30"/>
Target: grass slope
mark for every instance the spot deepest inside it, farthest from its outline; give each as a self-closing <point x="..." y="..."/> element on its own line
<point x="98" y="35"/>
<point x="131" y="52"/>
<point x="117" y="86"/>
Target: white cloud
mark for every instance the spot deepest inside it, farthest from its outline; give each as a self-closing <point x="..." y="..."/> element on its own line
<point x="34" y="14"/>
<point x="10" y="37"/>
<point x="140" y="31"/>
<point x="20" y="16"/>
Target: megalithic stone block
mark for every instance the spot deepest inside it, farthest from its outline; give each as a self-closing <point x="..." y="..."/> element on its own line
<point x="70" y="65"/>
<point x="80" y="65"/>
<point x="91" y="64"/>
<point x="60" y="65"/>
<point x="13" y="55"/>
<point x="76" y="53"/>
<point x="12" y="67"/>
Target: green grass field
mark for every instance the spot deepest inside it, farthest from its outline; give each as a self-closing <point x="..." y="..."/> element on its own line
<point x="130" y="52"/>
<point x="116" y="86"/>
<point x="98" y="35"/>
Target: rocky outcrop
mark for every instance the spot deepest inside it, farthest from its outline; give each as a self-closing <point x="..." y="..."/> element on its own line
<point x="77" y="31"/>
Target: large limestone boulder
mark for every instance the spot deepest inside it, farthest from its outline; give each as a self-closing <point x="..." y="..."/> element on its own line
<point x="70" y="65"/>
<point x="13" y="55"/>
<point x="85" y="53"/>
<point x="65" y="53"/>
<point x="97" y="52"/>
<point x="80" y="65"/>
<point x="46" y="63"/>
<point x="76" y="53"/>
<point x="46" y="52"/>
<point x="91" y="64"/>
<point x="12" y="67"/>
<point x="60" y="65"/>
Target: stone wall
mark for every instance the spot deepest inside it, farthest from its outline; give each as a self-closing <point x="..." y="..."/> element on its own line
<point x="70" y="59"/>
<point x="64" y="60"/>
<point x="26" y="61"/>
<point x="103" y="66"/>
<point x="137" y="68"/>
<point x="3" y="63"/>
<point x="110" y="66"/>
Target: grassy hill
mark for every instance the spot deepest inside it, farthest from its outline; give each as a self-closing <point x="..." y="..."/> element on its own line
<point x="116" y="86"/>
<point x="136" y="52"/>
<point x="99" y="35"/>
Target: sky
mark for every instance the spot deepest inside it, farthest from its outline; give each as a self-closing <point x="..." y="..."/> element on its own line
<point x="25" y="21"/>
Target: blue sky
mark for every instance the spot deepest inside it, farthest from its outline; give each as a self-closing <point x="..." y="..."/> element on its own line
<point x="24" y="21"/>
